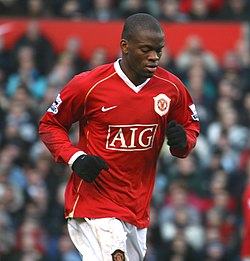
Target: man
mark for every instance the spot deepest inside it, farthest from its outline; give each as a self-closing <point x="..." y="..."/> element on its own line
<point x="245" y="245"/>
<point x="125" y="110"/>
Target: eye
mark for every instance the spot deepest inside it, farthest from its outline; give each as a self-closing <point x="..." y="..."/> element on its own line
<point x="145" y="49"/>
<point x="159" y="51"/>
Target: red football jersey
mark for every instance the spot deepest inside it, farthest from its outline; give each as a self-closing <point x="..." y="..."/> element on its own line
<point x="245" y="248"/>
<point x="125" y="125"/>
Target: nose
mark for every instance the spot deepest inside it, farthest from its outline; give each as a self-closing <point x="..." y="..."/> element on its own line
<point x="154" y="56"/>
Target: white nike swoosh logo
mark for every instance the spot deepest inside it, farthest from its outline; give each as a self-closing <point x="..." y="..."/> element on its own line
<point x="107" y="109"/>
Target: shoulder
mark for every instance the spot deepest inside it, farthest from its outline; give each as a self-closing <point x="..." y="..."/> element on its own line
<point x="97" y="74"/>
<point x="81" y="84"/>
<point x="170" y="78"/>
<point x="90" y="78"/>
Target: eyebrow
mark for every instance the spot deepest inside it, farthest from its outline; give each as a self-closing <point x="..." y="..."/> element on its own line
<point x="150" y="46"/>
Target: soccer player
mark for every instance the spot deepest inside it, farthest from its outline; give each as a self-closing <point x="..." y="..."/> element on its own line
<point x="125" y="111"/>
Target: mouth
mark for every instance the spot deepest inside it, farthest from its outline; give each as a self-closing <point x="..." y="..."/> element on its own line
<point x="151" y="68"/>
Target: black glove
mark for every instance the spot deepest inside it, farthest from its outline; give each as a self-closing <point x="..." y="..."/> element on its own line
<point x="176" y="135"/>
<point x="88" y="167"/>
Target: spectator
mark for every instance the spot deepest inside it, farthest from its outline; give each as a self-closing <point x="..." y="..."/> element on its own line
<point x="178" y="199"/>
<point x="31" y="241"/>
<point x="189" y="172"/>
<point x="203" y="91"/>
<point x="215" y="251"/>
<point x="235" y="10"/>
<point x="36" y="9"/>
<point x="11" y="8"/>
<point x="11" y="160"/>
<point x="227" y="126"/>
<point x="178" y="249"/>
<point x="170" y="11"/>
<point x="71" y="9"/>
<point x="72" y="49"/>
<point x="221" y="226"/>
<point x="203" y="152"/>
<point x="47" y="100"/>
<point x="233" y="69"/>
<point x="214" y="6"/>
<point x="245" y="158"/>
<point x="103" y="10"/>
<point x="4" y="105"/>
<point x="167" y="61"/>
<point x="19" y="118"/>
<point x="129" y="7"/>
<point x="23" y="96"/>
<point x="245" y="251"/>
<point x="7" y="236"/>
<point x="36" y="191"/>
<point x="154" y="238"/>
<point x="98" y="57"/>
<point x="61" y="72"/>
<point x="242" y="52"/>
<point x="219" y="182"/>
<point x="192" y="49"/>
<point x="67" y="249"/>
<point x="26" y="75"/>
<point x="199" y="11"/>
<point x="5" y="62"/>
<point x="42" y="48"/>
<point x="230" y="90"/>
<point x="12" y="199"/>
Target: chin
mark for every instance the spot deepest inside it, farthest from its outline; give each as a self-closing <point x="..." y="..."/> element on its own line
<point x="149" y="75"/>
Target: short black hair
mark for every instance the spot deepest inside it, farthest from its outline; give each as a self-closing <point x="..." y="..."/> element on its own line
<point x="140" y="22"/>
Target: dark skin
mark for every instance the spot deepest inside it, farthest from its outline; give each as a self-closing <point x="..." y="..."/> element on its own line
<point x="140" y="59"/>
<point x="141" y="55"/>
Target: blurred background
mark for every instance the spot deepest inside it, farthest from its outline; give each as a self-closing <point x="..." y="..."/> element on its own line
<point x="197" y="210"/>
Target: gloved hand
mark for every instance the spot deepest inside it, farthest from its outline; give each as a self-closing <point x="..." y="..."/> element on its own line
<point x="176" y="135"/>
<point x="88" y="167"/>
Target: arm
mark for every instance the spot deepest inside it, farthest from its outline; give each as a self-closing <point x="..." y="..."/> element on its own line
<point x="183" y="124"/>
<point x="57" y="121"/>
<point x="55" y="125"/>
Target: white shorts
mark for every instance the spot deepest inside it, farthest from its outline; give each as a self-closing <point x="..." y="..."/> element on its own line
<point x="107" y="239"/>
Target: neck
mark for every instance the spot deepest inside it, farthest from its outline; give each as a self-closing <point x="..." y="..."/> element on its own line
<point x="131" y="74"/>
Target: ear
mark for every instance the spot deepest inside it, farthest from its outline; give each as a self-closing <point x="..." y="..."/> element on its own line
<point x="124" y="46"/>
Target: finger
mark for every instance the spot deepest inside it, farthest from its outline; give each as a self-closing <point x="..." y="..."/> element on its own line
<point x="171" y="124"/>
<point x="101" y="164"/>
<point x="175" y="141"/>
<point x="90" y="175"/>
<point x="173" y="135"/>
<point x="105" y="166"/>
<point x="175" y="146"/>
<point x="88" y="179"/>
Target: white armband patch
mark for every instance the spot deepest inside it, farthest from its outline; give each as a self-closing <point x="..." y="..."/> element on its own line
<point x="54" y="107"/>
<point x="194" y="111"/>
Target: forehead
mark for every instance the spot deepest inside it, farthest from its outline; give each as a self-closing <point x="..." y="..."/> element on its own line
<point x="148" y="37"/>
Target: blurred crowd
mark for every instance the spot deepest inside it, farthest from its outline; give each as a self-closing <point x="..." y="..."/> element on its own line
<point x="197" y="202"/>
<point x="103" y="10"/>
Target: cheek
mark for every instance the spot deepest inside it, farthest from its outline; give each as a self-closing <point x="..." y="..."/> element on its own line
<point x="138" y="60"/>
<point x="134" y="61"/>
<point x="135" y="57"/>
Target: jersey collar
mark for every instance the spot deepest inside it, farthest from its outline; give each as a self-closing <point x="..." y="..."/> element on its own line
<point x="126" y="79"/>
